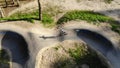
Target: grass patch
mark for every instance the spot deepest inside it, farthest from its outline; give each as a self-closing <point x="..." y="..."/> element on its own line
<point x="89" y="16"/>
<point x="31" y="16"/>
<point x="47" y="19"/>
<point x="115" y="27"/>
<point x="78" y="53"/>
<point x="50" y="13"/>
<point x="83" y="55"/>
<point x="108" y="1"/>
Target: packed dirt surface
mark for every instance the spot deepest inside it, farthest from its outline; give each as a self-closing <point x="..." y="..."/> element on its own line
<point x="12" y="6"/>
<point x="102" y="28"/>
<point x="49" y="56"/>
<point x="32" y="33"/>
<point x="110" y="9"/>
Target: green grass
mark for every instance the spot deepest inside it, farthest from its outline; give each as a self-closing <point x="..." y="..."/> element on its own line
<point x="83" y="55"/>
<point x="115" y="27"/>
<point x="89" y="16"/>
<point x="108" y="1"/>
<point x="22" y="16"/>
<point x="78" y="53"/>
<point x="46" y="18"/>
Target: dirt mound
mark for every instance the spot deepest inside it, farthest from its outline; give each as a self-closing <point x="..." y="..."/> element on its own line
<point x="68" y="54"/>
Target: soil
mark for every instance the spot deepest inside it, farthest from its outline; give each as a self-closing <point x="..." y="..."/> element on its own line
<point x="12" y="7"/>
<point x="58" y="56"/>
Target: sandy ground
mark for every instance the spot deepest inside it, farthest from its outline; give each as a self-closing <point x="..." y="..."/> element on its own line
<point x="57" y="55"/>
<point x="112" y="9"/>
<point x="11" y="7"/>
<point x="28" y="7"/>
